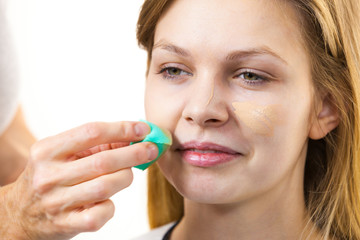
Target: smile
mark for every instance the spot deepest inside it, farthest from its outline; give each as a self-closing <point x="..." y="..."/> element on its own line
<point x="206" y="154"/>
<point x="204" y="151"/>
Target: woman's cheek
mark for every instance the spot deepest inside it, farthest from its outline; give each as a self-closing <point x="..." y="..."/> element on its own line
<point x="160" y="106"/>
<point x="260" y="119"/>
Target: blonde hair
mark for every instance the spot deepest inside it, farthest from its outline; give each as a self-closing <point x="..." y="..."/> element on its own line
<point x="331" y="33"/>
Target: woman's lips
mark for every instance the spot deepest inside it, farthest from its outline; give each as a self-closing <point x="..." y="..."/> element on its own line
<point x="206" y="154"/>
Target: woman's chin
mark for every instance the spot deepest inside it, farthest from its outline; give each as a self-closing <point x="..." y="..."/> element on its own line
<point x="202" y="189"/>
<point x="202" y="184"/>
<point x="200" y="196"/>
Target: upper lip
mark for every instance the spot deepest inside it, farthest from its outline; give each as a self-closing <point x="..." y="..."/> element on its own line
<point x="205" y="146"/>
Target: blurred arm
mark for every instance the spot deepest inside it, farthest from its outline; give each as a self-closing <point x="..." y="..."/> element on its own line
<point x="15" y="143"/>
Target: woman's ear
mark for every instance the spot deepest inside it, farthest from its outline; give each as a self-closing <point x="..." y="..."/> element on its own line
<point x="326" y="119"/>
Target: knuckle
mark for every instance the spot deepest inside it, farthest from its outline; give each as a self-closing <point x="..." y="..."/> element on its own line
<point x="41" y="183"/>
<point x="50" y="206"/>
<point x="38" y="185"/>
<point x="36" y="152"/>
<point x="140" y="153"/>
<point x="125" y="130"/>
<point x="100" y="165"/>
<point x="128" y="178"/>
<point x="100" y="191"/>
<point x="91" y="223"/>
<point x="93" y="130"/>
<point x="94" y="221"/>
<point x="46" y="176"/>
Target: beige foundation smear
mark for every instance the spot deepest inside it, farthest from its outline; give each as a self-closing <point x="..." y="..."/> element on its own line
<point x="211" y="95"/>
<point x="258" y="118"/>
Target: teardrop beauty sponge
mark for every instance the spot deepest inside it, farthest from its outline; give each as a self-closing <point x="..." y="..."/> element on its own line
<point x="161" y="138"/>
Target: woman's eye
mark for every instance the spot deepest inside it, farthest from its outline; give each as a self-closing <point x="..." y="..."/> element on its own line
<point x="251" y="78"/>
<point x="173" y="72"/>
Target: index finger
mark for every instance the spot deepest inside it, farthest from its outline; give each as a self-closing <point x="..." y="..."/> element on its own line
<point x="92" y="134"/>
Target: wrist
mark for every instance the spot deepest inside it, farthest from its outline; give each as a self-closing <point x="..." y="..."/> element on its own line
<point x="11" y="226"/>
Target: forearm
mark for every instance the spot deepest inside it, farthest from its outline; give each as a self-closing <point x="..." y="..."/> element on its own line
<point x="15" y="143"/>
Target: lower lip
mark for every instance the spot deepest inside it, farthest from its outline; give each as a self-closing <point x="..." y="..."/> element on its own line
<point x="207" y="159"/>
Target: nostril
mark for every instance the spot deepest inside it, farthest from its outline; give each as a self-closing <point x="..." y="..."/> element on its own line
<point x="210" y="115"/>
<point x="213" y="120"/>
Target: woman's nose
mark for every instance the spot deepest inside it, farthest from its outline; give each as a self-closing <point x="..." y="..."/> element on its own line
<point x="206" y="106"/>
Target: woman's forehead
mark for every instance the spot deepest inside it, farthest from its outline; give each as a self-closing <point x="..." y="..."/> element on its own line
<point x="228" y="25"/>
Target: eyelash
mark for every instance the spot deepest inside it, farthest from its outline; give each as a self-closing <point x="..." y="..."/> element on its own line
<point x="261" y="78"/>
<point x="165" y="74"/>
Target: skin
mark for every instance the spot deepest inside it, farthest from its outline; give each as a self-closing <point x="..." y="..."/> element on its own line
<point x="259" y="195"/>
<point x="60" y="186"/>
<point x="15" y="143"/>
<point x="260" y="119"/>
<point x="66" y="185"/>
<point x="69" y="178"/>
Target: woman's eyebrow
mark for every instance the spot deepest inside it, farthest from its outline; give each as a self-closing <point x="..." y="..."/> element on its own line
<point x="262" y="50"/>
<point x="171" y="48"/>
<point x="234" y="55"/>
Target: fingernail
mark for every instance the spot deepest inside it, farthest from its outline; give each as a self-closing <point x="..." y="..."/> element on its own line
<point x="152" y="151"/>
<point x="141" y="129"/>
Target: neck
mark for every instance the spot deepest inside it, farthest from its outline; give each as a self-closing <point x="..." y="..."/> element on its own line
<point x="275" y="215"/>
<point x="15" y="143"/>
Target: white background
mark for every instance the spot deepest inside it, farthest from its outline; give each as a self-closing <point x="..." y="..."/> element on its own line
<point x="79" y="62"/>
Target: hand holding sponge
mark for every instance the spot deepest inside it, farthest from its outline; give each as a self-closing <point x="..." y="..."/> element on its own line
<point x="158" y="136"/>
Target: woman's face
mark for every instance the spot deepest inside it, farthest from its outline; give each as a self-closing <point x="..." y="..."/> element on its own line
<point x="231" y="81"/>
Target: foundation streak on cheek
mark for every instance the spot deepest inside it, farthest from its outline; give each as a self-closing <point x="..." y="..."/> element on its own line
<point x="260" y="119"/>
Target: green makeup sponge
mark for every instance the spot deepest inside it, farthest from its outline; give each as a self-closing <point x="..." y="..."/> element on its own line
<point x="162" y="140"/>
